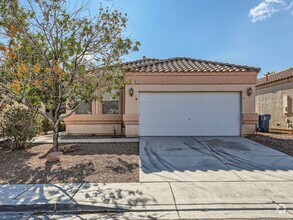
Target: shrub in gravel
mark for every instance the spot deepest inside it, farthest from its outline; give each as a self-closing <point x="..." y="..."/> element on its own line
<point x="19" y="127"/>
<point x="62" y="126"/>
<point x="46" y="126"/>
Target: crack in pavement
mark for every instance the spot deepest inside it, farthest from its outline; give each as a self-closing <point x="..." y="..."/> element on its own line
<point x="22" y="192"/>
<point x="174" y="200"/>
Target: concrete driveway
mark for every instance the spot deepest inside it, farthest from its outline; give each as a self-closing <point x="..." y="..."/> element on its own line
<point x="198" y="159"/>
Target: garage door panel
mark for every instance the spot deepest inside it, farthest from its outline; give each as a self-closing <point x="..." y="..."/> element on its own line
<point x="170" y="98"/>
<point x="214" y="97"/>
<point x="187" y="114"/>
<point x="223" y="130"/>
<point x="214" y="120"/>
<point x="164" y="97"/>
<point x="174" y="108"/>
<point x="157" y="120"/>
<point x="212" y="108"/>
<point x="192" y="131"/>
<point x="166" y="108"/>
<point x="196" y="120"/>
<point x="149" y="108"/>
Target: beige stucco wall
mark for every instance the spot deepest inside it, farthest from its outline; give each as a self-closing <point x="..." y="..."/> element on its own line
<point x="270" y="100"/>
<point x="101" y="129"/>
<point x="167" y="82"/>
<point x="96" y="123"/>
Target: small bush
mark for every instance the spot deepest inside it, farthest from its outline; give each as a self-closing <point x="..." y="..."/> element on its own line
<point x="19" y="126"/>
<point x="62" y="126"/>
<point x="46" y="126"/>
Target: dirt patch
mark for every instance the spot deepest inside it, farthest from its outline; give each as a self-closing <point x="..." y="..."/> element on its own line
<point x="107" y="163"/>
<point x="279" y="141"/>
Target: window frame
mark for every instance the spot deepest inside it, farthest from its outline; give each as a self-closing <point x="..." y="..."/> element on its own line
<point x="91" y="109"/>
<point x="117" y="99"/>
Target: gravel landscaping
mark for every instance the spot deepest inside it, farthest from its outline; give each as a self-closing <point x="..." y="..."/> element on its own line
<point x="108" y="163"/>
<point x="280" y="141"/>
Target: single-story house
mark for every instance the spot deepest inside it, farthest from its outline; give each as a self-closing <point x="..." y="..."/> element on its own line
<point x="175" y="97"/>
<point x="274" y="94"/>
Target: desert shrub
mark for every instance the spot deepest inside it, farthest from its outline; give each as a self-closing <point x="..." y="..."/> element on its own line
<point x="19" y="127"/>
<point x="62" y="126"/>
<point x="46" y="126"/>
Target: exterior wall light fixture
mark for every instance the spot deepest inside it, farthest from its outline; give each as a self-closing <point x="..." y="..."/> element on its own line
<point x="131" y="91"/>
<point x="249" y="91"/>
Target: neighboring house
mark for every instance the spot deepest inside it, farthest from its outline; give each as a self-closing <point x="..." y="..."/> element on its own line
<point x="274" y="94"/>
<point x="175" y="97"/>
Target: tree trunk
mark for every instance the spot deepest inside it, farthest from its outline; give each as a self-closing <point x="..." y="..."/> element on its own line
<point x="55" y="137"/>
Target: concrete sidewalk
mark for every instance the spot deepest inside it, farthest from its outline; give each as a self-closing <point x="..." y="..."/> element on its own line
<point x="164" y="200"/>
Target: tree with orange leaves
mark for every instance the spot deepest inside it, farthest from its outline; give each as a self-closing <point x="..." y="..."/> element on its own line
<point x="60" y="58"/>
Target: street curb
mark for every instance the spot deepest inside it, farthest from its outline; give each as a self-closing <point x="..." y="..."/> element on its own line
<point x="59" y="208"/>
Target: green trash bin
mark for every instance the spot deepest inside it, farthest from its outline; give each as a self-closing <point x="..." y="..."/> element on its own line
<point x="264" y="123"/>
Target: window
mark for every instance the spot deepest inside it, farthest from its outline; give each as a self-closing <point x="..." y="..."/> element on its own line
<point x="110" y="105"/>
<point x="84" y="108"/>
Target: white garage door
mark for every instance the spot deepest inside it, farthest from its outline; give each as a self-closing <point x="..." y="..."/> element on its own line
<point x="189" y="114"/>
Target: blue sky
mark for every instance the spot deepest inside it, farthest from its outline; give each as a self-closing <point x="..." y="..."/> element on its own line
<point x="251" y="32"/>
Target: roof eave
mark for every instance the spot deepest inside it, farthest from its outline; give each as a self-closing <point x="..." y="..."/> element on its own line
<point x="271" y="82"/>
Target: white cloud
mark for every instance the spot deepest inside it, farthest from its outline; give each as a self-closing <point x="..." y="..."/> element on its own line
<point x="267" y="8"/>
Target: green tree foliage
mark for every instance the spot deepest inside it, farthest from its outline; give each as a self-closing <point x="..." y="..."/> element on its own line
<point x="60" y="57"/>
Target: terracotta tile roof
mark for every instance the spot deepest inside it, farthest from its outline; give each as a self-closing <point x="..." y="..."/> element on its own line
<point x="183" y="64"/>
<point x="141" y="62"/>
<point x="273" y="77"/>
